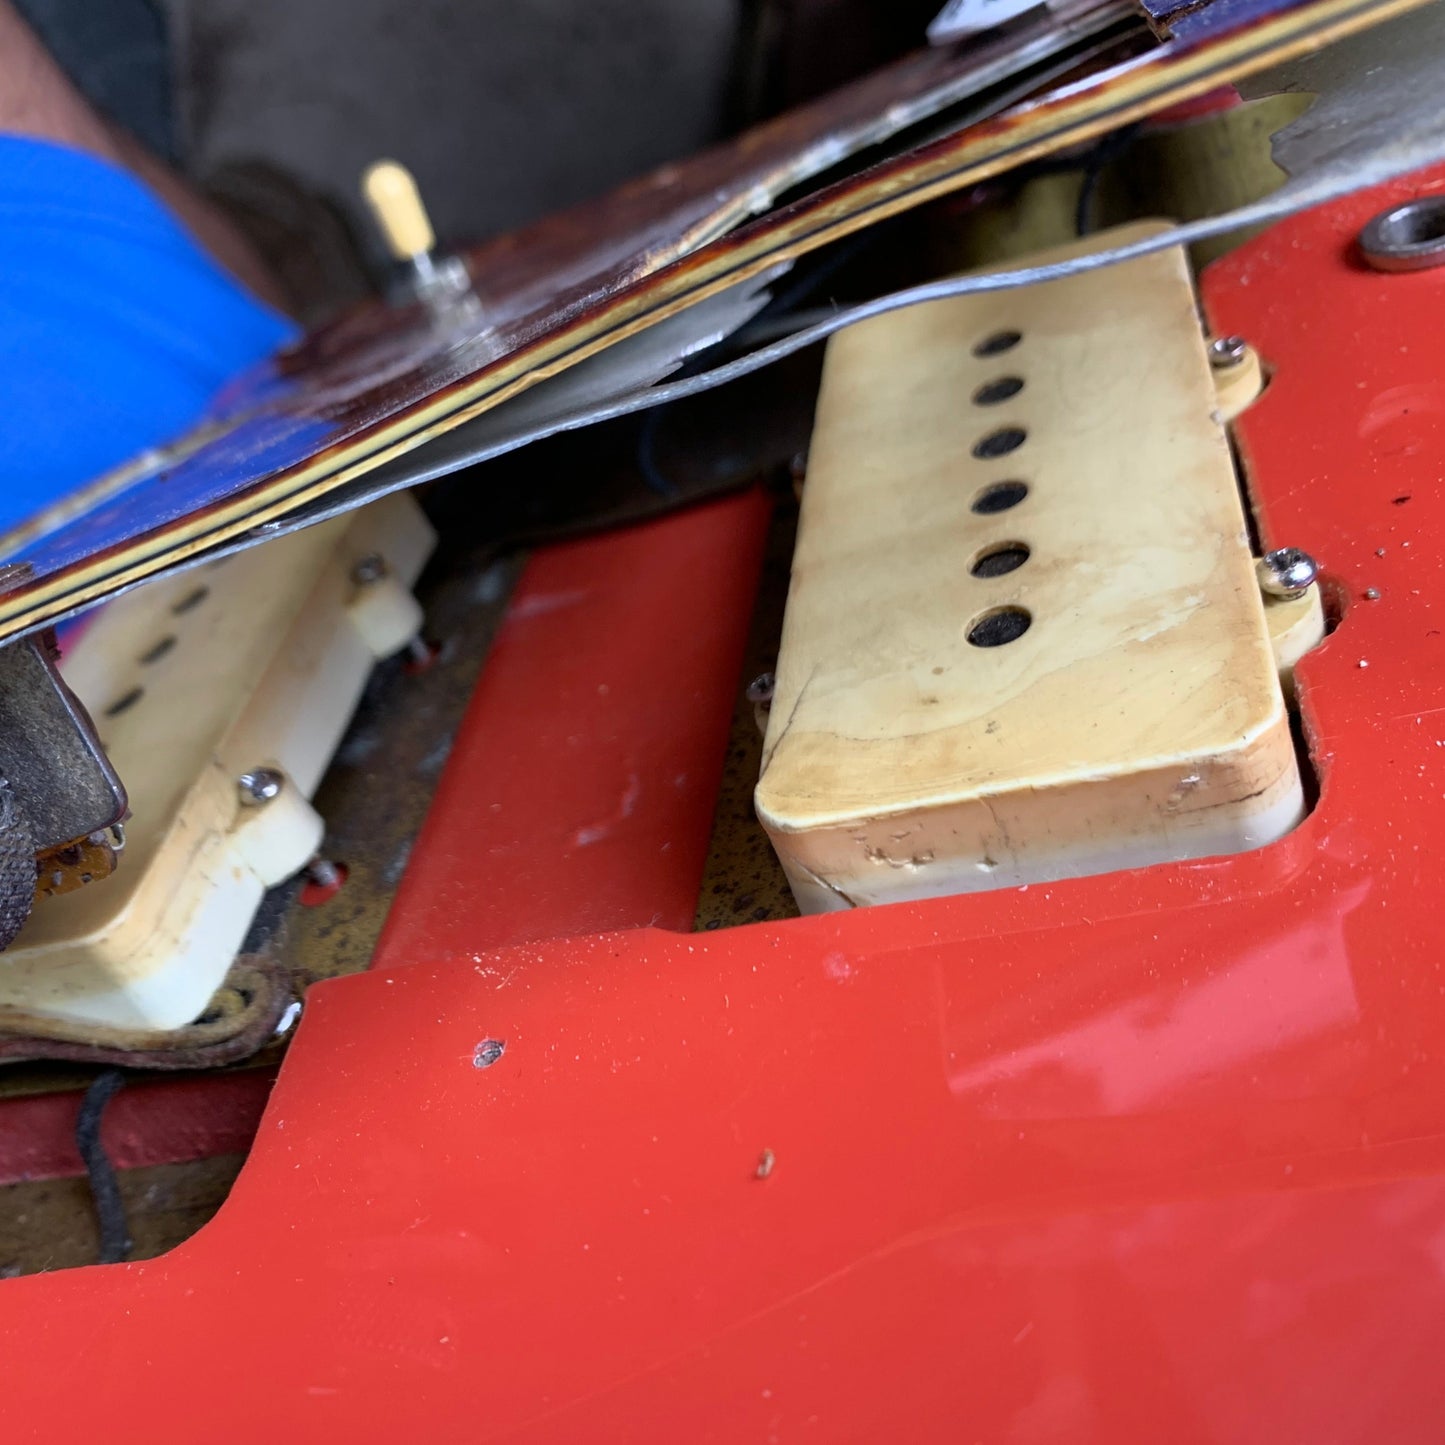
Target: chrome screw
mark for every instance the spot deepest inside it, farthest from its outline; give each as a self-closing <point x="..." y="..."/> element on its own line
<point x="259" y="786"/>
<point x="324" y="873"/>
<point x="1227" y="351"/>
<point x="760" y="689"/>
<point x="369" y="569"/>
<point x="1286" y="572"/>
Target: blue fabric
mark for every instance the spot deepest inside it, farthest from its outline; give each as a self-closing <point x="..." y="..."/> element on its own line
<point x="116" y="328"/>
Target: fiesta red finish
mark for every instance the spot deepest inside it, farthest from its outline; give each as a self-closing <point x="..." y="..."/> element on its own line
<point x="633" y="734"/>
<point x="579" y="796"/>
<point x="1152" y="1156"/>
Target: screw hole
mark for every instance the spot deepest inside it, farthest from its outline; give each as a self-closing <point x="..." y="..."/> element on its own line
<point x="1420" y="225"/>
<point x="999" y="560"/>
<point x="194" y="598"/>
<point x="125" y="701"/>
<point x="999" y="443"/>
<point x="997" y="390"/>
<point x="999" y="497"/>
<point x="998" y="626"/>
<point x="157" y="652"/>
<point x="997" y="343"/>
<point x="488" y="1052"/>
<point x="1407" y="237"/>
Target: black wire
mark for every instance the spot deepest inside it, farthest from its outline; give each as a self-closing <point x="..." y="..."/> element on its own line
<point x="780" y="304"/>
<point x="823" y="266"/>
<point x="1104" y="154"/>
<point x="115" y="1240"/>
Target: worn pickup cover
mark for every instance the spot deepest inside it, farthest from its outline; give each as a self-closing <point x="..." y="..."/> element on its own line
<point x="1024" y="640"/>
<point x="194" y="681"/>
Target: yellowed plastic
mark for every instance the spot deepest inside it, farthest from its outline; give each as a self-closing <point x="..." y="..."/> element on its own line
<point x="254" y="662"/>
<point x="1139" y="718"/>
<point x="391" y="192"/>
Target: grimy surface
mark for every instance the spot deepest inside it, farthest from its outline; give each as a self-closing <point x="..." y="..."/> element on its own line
<point x="383" y="382"/>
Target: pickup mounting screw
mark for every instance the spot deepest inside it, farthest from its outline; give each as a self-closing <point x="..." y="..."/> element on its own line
<point x="1286" y="572"/>
<point x="259" y="786"/>
<point x="369" y="569"/>
<point x="1227" y="351"/>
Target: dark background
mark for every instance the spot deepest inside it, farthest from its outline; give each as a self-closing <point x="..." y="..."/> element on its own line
<point x="504" y="109"/>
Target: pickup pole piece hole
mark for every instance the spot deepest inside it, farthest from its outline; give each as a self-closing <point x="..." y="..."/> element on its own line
<point x="1002" y="558"/>
<point x="159" y="650"/>
<point x="193" y="598"/>
<point x="998" y="342"/>
<point x="999" y="443"/>
<point x="997" y="390"/>
<point x="999" y="497"/>
<point x="125" y="701"/>
<point x="998" y="626"/>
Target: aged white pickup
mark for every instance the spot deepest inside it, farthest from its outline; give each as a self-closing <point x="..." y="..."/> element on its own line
<point x="247" y="669"/>
<point x="1024" y="639"/>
